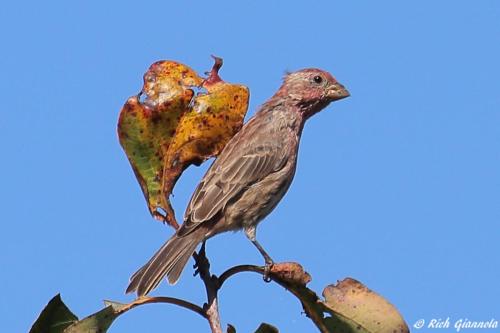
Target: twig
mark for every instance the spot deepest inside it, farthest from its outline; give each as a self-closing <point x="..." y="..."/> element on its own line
<point x="163" y="299"/>
<point x="239" y="269"/>
<point x="211" y="308"/>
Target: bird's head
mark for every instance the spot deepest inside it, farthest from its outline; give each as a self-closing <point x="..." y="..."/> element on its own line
<point x="312" y="89"/>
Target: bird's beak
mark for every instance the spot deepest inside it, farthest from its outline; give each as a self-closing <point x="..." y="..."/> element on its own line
<point x="337" y="91"/>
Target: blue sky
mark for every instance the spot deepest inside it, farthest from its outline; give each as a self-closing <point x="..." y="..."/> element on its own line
<point x="397" y="186"/>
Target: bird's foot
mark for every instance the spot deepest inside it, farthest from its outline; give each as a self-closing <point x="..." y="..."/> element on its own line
<point x="267" y="271"/>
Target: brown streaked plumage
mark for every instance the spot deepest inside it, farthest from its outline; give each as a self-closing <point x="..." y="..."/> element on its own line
<point x="248" y="179"/>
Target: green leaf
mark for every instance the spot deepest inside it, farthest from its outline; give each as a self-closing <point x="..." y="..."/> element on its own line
<point x="55" y="317"/>
<point x="230" y="329"/>
<point x="266" y="328"/>
<point x="98" y="322"/>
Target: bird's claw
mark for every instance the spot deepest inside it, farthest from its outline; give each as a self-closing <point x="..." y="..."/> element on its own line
<point x="267" y="271"/>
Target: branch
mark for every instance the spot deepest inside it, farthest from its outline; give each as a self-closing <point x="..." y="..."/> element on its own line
<point x="163" y="299"/>
<point x="293" y="278"/>
<point x="239" y="269"/>
<point x="289" y="273"/>
<point x="211" y="308"/>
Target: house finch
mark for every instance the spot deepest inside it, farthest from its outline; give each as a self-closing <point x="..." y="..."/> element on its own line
<point x="248" y="179"/>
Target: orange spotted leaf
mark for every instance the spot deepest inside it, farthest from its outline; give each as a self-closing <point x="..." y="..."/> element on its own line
<point x="167" y="127"/>
<point x="148" y="122"/>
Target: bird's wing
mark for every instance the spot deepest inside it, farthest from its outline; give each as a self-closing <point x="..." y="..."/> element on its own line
<point x="236" y="169"/>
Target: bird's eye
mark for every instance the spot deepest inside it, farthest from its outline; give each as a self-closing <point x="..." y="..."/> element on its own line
<point x="318" y="79"/>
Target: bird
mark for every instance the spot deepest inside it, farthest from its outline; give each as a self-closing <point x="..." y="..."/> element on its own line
<point x="249" y="177"/>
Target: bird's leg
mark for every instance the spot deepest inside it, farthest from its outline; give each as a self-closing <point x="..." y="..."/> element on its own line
<point x="266" y="256"/>
<point x="250" y="232"/>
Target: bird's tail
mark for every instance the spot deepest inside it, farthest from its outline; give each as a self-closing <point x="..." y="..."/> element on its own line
<point x="169" y="260"/>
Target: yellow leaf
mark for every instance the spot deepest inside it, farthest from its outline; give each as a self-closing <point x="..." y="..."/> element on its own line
<point x="146" y="126"/>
